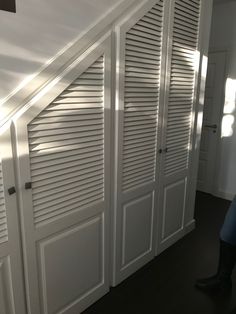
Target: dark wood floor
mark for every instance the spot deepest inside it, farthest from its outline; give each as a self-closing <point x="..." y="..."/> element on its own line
<point x="166" y="284"/>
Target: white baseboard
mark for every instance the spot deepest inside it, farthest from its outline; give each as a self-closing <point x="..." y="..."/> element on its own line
<point x="225" y="195"/>
<point x="190" y="226"/>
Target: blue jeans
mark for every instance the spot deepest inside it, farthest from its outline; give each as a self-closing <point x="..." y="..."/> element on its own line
<point x="228" y="230"/>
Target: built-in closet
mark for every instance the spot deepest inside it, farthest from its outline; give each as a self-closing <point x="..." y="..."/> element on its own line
<point x="96" y="170"/>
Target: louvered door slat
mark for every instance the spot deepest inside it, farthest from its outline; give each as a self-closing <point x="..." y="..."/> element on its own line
<point x="62" y="192"/>
<point x="42" y="207"/>
<point x="70" y="135"/>
<point x="66" y="142"/>
<point x="64" y="160"/>
<point x="81" y="163"/>
<point x="41" y="163"/>
<point x="51" y="214"/>
<point x="66" y="146"/>
<point x="61" y="125"/>
<point x="69" y="180"/>
<point x="142" y="69"/>
<point x="42" y="185"/>
<point x="181" y="90"/>
<point x="58" y="157"/>
<point x="81" y="146"/>
<point x="59" y="171"/>
<point x="55" y="132"/>
<point x="56" y="177"/>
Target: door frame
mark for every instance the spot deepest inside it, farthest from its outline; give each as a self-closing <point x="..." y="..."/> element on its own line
<point x="212" y="183"/>
<point x="217" y="162"/>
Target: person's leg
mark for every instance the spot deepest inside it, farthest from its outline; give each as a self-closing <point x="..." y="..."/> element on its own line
<point x="227" y="256"/>
<point x="228" y="230"/>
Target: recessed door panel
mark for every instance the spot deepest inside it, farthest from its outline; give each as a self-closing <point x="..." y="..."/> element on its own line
<point x="174" y="206"/>
<point x="6" y="302"/>
<point x="137" y="229"/>
<point x="71" y="264"/>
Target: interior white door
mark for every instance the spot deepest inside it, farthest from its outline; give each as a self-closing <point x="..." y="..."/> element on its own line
<point x="12" y="297"/>
<point x="139" y="86"/>
<point x="63" y="148"/>
<point x="213" y="109"/>
<point x="181" y="80"/>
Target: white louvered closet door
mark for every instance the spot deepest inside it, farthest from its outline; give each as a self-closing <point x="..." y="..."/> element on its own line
<point x="180" y="100"/>
<point x="64" y="171"/>
<point x="138" y="101"/>
<point x="12" y="298"/>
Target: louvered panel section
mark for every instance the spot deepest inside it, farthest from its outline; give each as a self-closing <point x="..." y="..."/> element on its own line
<point x="3" y="217"/>
<point x="182" y="80"/>
<point x="141" y="98"/>
<point x="66" y="145"/>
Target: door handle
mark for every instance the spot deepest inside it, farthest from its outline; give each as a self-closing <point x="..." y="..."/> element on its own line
<point x="28" y="185"/>
<point x="211" y="126"/>
<point x="11" y="190"/>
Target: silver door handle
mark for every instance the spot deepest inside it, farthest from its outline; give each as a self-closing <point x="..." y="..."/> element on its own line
<point x="211" y="126"/>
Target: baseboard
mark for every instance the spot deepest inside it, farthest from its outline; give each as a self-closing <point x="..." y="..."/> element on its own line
<point x="225" y="195"/>
<point x="190" y="226"/>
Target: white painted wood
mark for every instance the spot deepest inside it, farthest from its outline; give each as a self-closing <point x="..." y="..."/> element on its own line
<point x="63" y="148"/>
<point x="212" y="115"/>
<point x="140" y="60"/>
<point x="204" y="36"/>
<point x="181" y="83"/>
<point x="12" y="298"/>
<point x="64" y="222"/>
<point x="137" y="219"/>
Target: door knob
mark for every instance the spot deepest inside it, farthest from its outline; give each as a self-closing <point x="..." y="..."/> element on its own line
<point x="11" y="190"/>
<point x="28" y="185"/>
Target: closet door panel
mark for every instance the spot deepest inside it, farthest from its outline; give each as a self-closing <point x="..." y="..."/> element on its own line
<point x="173" y="207"/>
<point x="64" y="169"/>
<point x="138" y="96"/>
<point x="137" y="224"/>
<point x="182" y="69"/>
<point x="80" y="268"/>
<point x="12" y="298"/>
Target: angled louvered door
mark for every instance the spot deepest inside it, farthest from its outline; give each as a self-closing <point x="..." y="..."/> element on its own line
<point x="63" y="159"/>
<point x="138" y="101"/>
<point x="12" y="298"/>
<point x="179" y="101"/>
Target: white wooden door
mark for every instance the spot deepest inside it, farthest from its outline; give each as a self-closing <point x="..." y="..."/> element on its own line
<point x="139" y="87"/>
<point x="213" y="109"/>
<point x="12" y="297"/>
<point x="63" y="143"/>
<point x="182" y="65"/>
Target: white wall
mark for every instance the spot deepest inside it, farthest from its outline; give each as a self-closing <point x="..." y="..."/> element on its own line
<point x="38" y="31"/>
<point x="223" y="37"/>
